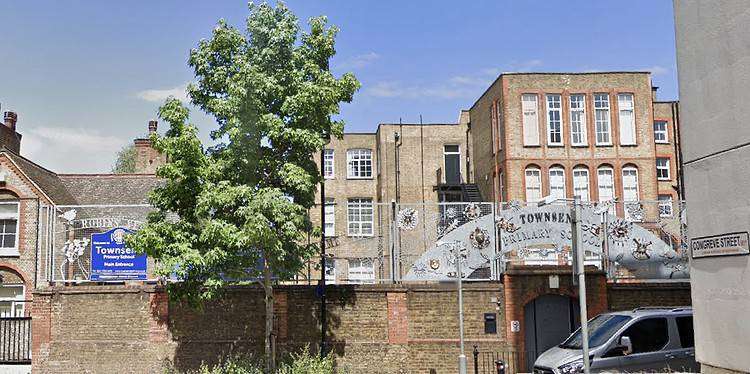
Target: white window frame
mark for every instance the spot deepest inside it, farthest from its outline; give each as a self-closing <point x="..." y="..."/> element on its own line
<point x="330" y="275"/>
<point x="625" y="188"/>
<point x="445" y="153"/>
<point x="330" y="215"/>
<point x="578" y="120"/>
<point x="557" y="190"/>
<point x="358" y="160"/>
<point x="329" y="164"/>
<point x="626" y="118"/>
<point x="15" y="302"/>
<point x="666" y="208"/>
<point x="11" y="251"/>
<point x="530" y="119"/>
<point x="359" y="270"/>
<point x="606" y="191"/>
<point x="581" y="183"/>
<point x="664" y="132"/>
<point x="665" y="168"/>
<point x="554" y="127"/>
<point x="528" y="174"/>
<point x="360" y="207"/>
<point x="602" y="120"/>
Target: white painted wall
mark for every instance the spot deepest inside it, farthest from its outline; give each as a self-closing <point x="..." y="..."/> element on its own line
<point x="713" y="57"/>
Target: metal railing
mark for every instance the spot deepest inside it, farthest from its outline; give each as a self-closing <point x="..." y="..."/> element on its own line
<point x="487" y="362"/>
<point x="15" y="340"/>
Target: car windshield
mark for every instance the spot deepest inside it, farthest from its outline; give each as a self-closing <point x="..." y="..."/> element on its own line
<point x="601" y="329"/>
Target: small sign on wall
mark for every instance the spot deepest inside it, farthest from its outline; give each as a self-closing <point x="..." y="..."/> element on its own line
<point x="515" y="326"/>
<point x="731" y="244"/>
<point x="554" y="281"/>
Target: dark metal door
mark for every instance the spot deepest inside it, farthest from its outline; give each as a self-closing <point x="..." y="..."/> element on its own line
<point x="548" y="320"/>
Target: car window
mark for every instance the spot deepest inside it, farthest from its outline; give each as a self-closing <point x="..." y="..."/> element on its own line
<point x="601" y="328"/>
<point x="685" y="328"/>
<point x="648" y="335"/>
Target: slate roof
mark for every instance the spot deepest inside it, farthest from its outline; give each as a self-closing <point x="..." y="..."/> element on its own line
<point x="87" y="189"/>
<point x="108" y="189"/>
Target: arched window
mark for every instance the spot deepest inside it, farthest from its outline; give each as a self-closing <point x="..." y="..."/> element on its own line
<point x="533" y="184"/>
<point x="557" y="183"/>
<point x="630" y="183"/>
<point x="581" y="183"/>
<point x="629" y="188"/>
<point x="605" y="182"/>
<point x="9" y="206"/>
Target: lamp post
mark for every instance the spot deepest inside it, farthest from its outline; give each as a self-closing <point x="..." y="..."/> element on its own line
<point x="456" y="246"/>
<point x="579" y="270"/>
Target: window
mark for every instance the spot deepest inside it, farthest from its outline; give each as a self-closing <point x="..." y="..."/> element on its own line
<point x="554" y="119"/>
<point x="662" y="168"/>
<point x="330" y="212"/>
<point x="648" y="335"/>
<point x="605" y="180"/>
<point x="578" y="119"/>
<point x="530" y="119"/>
<point x="660" y="132"/>
<point x="361" y="270"/>
<point x="533" y="185"/>
<point x="581" y="183"/>
<point x="685" y="328"/>
<point x="629" y="188"/>
<point x="557" y="183"/>
<point x="360" y="217"/>
<point x="328" y="170"/>
<point x="330" y="271"/>
<point x="11" y="300"/>
<point x="359" y="163"/>
<point x="627" y="119"/>
<point x="8" y="228"/>
<point x="665" y="205"/>
<point x="500" y="129"/>
<point x="452" y="159"/>
<point x="601" y="114"/>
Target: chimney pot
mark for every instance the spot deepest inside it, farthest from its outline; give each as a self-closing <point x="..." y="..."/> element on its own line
<point x="152" y="126"/>
<point x="10" y="120"/>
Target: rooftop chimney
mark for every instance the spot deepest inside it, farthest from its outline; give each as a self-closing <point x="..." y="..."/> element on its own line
<point x="152" y="126"/>
<point x="653" y="92"/>
<point x="10" y="120"/>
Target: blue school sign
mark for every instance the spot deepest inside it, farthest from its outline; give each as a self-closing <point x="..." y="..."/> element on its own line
<point x="111" y="260"/>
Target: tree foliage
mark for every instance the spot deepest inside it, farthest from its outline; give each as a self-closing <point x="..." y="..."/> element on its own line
<point x="125" y="162"/>
<point x="238" y="209"/>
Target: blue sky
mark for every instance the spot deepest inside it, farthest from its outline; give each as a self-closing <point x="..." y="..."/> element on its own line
<point x="86" y="76"/>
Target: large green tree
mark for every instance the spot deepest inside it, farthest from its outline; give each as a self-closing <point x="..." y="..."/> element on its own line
<point x="238" y="209"/>
<point x="125" y="162"/>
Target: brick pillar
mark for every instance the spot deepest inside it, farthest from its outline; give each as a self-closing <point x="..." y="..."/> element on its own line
<point x="41" y="329"/>
<point x="281" y="312"/>
<point x="512" y="287"/>
<point x="398" y="321"/>
<point x="158" y="328"/>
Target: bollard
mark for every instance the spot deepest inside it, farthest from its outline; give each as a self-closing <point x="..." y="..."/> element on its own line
<point x="500" y="366"/>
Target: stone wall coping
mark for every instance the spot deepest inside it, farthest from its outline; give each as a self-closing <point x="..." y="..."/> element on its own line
<point x="648" y="285"/>
<point x="549" y="270"/>
<point x="375" y="288"/>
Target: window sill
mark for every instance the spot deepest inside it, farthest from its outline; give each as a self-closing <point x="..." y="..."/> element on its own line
<point x="556" y="145"/>
<point x="579" y="145"/>
<point x="604" y="145"/>
<point x="664" y="179"/>
<point x="360" y="236"/>
<point x="532" y="146"/>
<point x="9" y="252"/>
<point x="329" y="178"/>
<point x="359" y="178"/>
<point x="662" y="143"/>
<point x="628" y="145"/>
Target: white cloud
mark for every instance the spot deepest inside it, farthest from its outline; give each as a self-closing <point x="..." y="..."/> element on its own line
<point x="360" y="61"/>
<point x="159" y="95"/>
<point x="71" y="150"/>
<point x="657" y="70"/>
<point x="467" y="86"/>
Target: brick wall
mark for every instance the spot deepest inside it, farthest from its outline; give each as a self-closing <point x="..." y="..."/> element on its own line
<point x="624" y="296"/>
<point x="372" y="329"/>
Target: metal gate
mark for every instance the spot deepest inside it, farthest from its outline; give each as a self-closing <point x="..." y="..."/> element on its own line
<point x="15" y="340"/>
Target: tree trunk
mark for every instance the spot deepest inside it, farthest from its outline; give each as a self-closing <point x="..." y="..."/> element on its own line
<point x="269" y="344"/>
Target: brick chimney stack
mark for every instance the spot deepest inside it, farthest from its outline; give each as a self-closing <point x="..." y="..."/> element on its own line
<point x="152" y="126"/>
<point x="10" y="120"/>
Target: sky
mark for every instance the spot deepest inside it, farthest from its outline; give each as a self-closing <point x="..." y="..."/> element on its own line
<point x="86" y="76"/>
